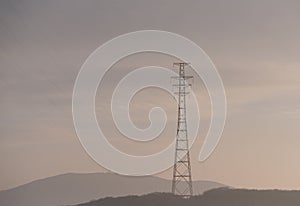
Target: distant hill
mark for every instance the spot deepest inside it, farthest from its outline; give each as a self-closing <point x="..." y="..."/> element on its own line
<point x="70" y="189"/>
<point x="215" y="197"/>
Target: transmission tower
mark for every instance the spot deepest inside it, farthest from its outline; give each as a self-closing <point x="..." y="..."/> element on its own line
<point x="182" y="176"/>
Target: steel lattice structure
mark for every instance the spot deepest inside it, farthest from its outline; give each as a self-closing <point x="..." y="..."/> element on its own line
<point x="182" y="175"/>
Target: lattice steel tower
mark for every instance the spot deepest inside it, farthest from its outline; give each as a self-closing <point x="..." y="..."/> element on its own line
<point x="182" y="176"/>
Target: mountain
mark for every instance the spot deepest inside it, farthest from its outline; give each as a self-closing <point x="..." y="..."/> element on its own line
<point x="70" y="189"/>
<point x="215" y="197"/>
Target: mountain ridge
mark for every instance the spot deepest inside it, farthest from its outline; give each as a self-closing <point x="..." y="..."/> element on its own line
<point x="214" y="197"/>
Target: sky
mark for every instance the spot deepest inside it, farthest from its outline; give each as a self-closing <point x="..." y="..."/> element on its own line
<point x="255" y="46"/>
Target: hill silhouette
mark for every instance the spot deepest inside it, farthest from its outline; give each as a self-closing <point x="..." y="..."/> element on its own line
<point x="73" y="189"/>
<point x="215" y="197"/>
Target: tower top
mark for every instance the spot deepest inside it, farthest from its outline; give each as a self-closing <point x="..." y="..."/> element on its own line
<point x="182" y="70"/>
<point x="181" y="64"/>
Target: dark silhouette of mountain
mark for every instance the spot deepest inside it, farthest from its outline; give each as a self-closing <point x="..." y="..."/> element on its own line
<point x="215" y="197"/>
<point x="71" y="189"/>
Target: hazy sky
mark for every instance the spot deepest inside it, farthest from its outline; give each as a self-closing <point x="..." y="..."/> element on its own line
<point x="255" y="46"/>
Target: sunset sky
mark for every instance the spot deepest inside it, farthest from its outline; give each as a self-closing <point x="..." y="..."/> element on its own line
<point x="255" y="46"/>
